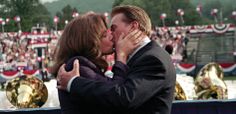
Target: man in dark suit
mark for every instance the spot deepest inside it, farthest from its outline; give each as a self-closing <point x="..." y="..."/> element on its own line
<point x="149" y="85"/>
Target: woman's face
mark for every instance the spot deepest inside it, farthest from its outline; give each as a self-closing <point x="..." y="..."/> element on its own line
<point x="107" y="42"/>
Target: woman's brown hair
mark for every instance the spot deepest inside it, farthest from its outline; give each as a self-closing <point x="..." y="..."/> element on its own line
<point x="81" y="37"/>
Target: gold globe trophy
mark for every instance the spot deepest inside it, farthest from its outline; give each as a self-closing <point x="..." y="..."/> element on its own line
<point x="179" y="92"/>
<point x="26" y="91"/>
<point x="209" y="83"/>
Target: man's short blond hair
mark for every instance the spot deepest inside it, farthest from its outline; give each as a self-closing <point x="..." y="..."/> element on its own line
<point x="134" y="13"/>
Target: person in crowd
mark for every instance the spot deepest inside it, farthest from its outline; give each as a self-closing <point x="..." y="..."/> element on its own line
<point x="169" y="49"/>
<point x="88" y="39"/>
<point x="148" y="85"/>
<point x="44" y="74"/>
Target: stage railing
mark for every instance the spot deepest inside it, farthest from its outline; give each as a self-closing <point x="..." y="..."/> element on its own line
<point x="179" y="107"/>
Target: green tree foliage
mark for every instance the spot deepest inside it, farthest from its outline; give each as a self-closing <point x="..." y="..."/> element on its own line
<point x="31" y="13"/>
<point x="224" y="10"/>
<point x="224" y="6"/>
<point x="83" y="6"/>
<point x="155" y="8"/>
<point x="117" y="2"/>
<point x="65" y="14"/>
<point x="208" y="6"/>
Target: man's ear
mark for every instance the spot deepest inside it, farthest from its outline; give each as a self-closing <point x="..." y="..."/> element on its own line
<point x="135" y="25"/>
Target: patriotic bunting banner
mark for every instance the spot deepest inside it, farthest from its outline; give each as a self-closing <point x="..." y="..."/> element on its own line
<point x="187" y="68"/>
<point x="228" y="67"/>
<point x="217" y="28"/>
<point x="200" y="28"/>
<point x="185" y="28"/>
<point x="12" y="34"/>
<point x="220" y="28"/>
<point x="9" y="74"/>
<point x="12" y="74"/>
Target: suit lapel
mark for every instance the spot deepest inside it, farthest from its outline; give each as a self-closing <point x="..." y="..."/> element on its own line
<point x="140" y="52"/>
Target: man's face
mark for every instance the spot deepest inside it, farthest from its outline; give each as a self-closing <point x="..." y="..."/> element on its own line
<point x="118" y="26"/>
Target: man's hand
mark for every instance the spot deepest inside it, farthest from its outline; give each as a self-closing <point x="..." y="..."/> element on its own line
<point x="63" y="77"/>
<point x="125" y="45"/>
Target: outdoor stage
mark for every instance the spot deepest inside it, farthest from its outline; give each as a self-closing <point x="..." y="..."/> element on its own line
<point x="179" y="107"/>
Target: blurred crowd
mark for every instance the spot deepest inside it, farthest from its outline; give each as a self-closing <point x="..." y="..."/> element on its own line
<point x="173" y="41"/>
<point x="18" y="54"/>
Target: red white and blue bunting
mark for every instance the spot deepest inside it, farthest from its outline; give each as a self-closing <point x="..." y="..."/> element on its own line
<point x="12" y="74"/>
<point x="220" y="28"/>
<point x="217" y="28"/>
<point x="186" y="67"/>
<point x="9" y="74"/>
<point x="200" y="28"/>
<point x="227" y="67"/>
